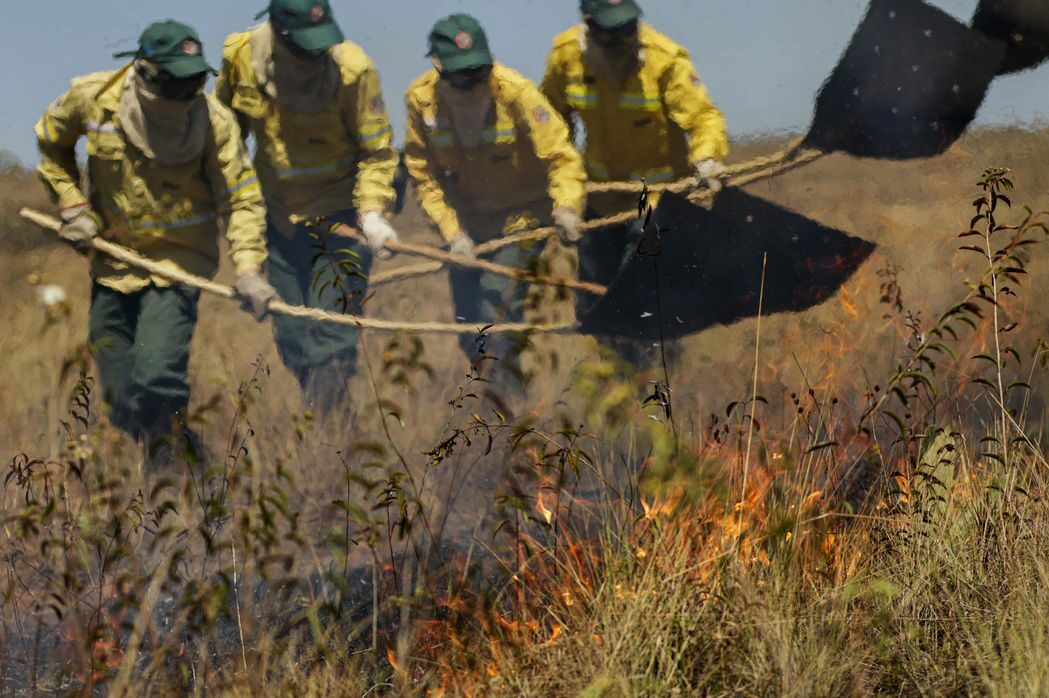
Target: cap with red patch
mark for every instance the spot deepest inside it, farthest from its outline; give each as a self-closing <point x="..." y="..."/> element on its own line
<point x="173" y="47"/>
<point x="459" y="43"/>
<point x="310" y="23"/>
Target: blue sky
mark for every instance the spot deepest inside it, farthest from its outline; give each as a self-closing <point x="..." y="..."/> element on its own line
<point x="763" y="60"/>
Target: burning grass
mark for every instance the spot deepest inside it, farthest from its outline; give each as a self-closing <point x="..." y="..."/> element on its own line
<point x="858" y="536"/>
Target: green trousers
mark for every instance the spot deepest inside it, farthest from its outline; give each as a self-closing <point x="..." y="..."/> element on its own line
<point x="602" y="254"/>
<point x="141" y="344"/>
<point x="322" y="356"/>
<point x="484" y="298"/>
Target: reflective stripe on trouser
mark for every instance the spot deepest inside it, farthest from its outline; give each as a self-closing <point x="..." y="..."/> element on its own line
<point x="322" y="355"/>
<point x="141" y="342"/>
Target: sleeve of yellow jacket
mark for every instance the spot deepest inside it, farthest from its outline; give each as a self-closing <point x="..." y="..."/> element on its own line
<point x="423" y="170"/>
<point x="554" y="87"/>
<point x="238" y="197"/>
<point x="226" y="78"/>
<point x="378" y="160"/>
<point x="689" y="105"/>
<point x="566" y="178"/>
<point x="57" y="133"/>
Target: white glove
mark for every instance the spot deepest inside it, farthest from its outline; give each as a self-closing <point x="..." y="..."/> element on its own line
<point x="377" y="233"/>
<point x="708" y="174"/>
<point x="255" y="293"/>
<point x="461" y="245"/>
<point x="80" y="227"/>
<point x="568" y="223"/>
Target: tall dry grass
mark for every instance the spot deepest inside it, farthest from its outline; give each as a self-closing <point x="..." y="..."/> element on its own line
<point x="883" y="533"/>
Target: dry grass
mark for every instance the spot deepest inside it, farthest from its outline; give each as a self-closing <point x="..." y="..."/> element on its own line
<point x="607" y="560"/>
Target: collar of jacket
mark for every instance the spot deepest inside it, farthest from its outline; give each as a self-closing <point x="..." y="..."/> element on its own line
<point x="108" y="98"/>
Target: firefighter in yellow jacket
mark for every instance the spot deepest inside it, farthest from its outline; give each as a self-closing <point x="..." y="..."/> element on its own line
<point x="488" y="156"/>
<point x="313" y="103"/>
<point x="645" y="113"/>
<point x="165" y="163"/>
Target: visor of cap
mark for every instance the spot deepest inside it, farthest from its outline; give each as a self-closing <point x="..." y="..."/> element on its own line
<point x="184" y="66"/>
<point x="617" y="15"/>
<point x="466" y="60"/>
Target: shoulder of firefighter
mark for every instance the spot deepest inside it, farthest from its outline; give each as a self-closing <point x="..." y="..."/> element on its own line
<point x="549" y="136"/>
<point x="422" y="89"/>
<point x="569" y="41"/>
<point x="352" y="60"/>
<point x="684" y="95"/>
<point x="134" y="197"/>
<point x="293" y="162"/>
<point x="64" y="121"/>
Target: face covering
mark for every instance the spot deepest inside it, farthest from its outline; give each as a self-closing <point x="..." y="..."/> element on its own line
<point x="468" y="108"/>
<point x="614" y="53"/>
<point x="167" y="119"/>
<point x="305" y="82"/>
<point x="467" y="80"/>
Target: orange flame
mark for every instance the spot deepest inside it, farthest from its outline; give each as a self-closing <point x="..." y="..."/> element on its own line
<point x="546" y="513"/>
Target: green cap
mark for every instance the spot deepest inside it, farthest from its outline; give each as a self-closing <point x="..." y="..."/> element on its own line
<point x="310" y="23"/>
<point x="173" y="47"/>
<point x="459" y="43"/>
<point x="610" y="14"/>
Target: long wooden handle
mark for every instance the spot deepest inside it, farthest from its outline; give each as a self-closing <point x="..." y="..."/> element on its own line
<point x="279" y="307"/>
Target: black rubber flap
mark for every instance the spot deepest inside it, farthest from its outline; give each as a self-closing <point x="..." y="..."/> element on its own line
<point x="908" y="85"/>
<point x="705" y="268"/>
<point x="1022" y="24"/>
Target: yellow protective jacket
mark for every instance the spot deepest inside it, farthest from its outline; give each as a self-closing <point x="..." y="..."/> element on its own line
<point x="524" y="158"/>
<point x="318" y="164"/>
<point x="169" y="213"/>
<point x="655" y="127"/>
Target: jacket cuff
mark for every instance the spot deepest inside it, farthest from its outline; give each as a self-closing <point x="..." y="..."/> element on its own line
<point x="248" y="263"/>
<point x="575" y="205"/>
<point x="72" y="204"/>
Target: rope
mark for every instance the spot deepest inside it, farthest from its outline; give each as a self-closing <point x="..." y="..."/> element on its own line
<point x="689" y="183"/>
<point x="538" y="234"/>
<point x="484" y="265"/>
<point x="739" y="175"/>
<point x="184" y="278"/>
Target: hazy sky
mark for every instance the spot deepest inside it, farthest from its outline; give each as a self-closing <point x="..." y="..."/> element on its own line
<point x="763" y="60"/>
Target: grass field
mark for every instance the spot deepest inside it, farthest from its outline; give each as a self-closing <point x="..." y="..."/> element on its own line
<point x="846" y="500"/>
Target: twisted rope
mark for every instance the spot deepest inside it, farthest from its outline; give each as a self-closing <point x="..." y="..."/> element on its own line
<point x="739" y="175"/>
<point x="184" y="278"/>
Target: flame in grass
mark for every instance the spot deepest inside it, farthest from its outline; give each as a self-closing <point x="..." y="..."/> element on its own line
<point x="546" y="512"/>
<point x="556" y="595"/>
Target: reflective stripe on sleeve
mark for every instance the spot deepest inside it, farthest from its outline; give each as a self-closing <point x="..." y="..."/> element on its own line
<point x="499" y="135"/>
<point x="375" y="133"/>
<point x="640" y="101"/>
<point x="246" y="181"/>
<point x="580" y="97"/>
